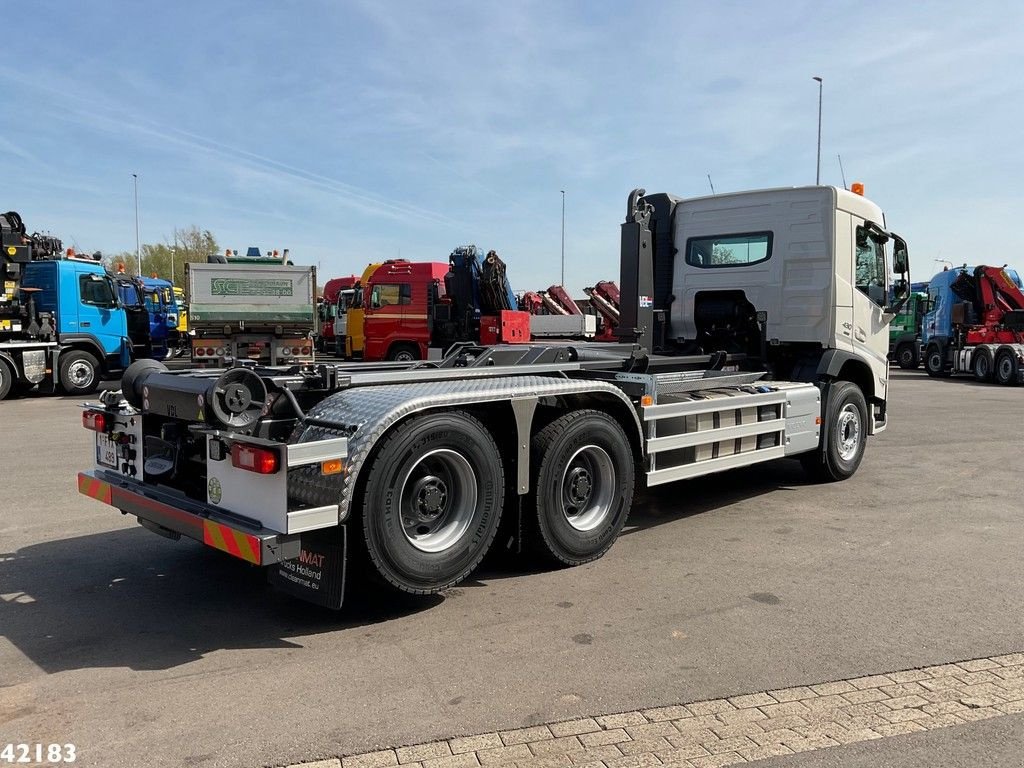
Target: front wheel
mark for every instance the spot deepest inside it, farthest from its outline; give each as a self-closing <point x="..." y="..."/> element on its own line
<point x="583" y="487"/>
<point x="935" y="362"/>
<point x="907" y="356"/>
<point x="6" y="380"/>
<point x="845" y="435"/>
<point x="79" y="373"/>
<point x="432" y="501"/>
<point x="404" y="353"/>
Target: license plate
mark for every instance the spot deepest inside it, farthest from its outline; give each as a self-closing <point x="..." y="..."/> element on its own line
<point x="106" y="451"/>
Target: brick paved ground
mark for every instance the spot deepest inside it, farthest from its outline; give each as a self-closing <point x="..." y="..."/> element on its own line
<point x="738" y="729"/>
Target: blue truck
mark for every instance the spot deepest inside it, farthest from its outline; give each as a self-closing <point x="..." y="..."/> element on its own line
<point x="163" y="315"/>
<point x="71" y="330"/>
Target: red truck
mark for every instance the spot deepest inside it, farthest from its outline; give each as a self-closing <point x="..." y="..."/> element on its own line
<point x="327" y="311"/>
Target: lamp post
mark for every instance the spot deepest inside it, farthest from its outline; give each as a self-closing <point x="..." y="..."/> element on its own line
<point x="138" y="249"/>
<point x="817" y="177"/>
<point x="174" y="252"/>
<point x="563" y="239"/>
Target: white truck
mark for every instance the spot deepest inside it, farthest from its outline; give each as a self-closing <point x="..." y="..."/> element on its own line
<point x="253" y="309"/>
<point x="752" y="329"/>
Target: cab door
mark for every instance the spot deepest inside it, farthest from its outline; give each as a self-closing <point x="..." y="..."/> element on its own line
<point x="99" y="312"/>
<point x="870" y="297"/>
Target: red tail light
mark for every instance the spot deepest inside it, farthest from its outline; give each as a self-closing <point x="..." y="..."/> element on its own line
<point x="94" y="420"/>
<point x="254" y="458"/>
<point x="200" y="351"/>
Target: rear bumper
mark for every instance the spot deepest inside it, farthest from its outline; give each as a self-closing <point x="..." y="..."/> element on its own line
<point x="186" y="517"/>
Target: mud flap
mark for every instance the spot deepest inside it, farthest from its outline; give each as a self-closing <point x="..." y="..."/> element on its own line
<point x="317" y="575"/>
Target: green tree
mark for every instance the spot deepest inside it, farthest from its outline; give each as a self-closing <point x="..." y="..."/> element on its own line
<point x="167" y="260"/>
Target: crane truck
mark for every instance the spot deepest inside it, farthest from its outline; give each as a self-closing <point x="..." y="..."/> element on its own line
<point x="753" y="327"/>
<point x="975" y="325"/>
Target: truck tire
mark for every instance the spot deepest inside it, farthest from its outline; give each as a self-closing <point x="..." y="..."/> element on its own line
<point x="1006" y="367"/>
<point x="844" y="437"/>
<point x="432" y="501"/>
<point x="403" y="353"/>
<point x="907" y="356"/>
<point x="79" y="373"/>
<point x="981" y="365"/>
<point x="6" y="380"/>
<point x="583" y="487"/>
<point x="935" y="362"/>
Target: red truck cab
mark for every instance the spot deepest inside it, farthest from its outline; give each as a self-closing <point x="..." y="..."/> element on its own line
<point x="398" y="299"/>
<point x="327" y="310"/>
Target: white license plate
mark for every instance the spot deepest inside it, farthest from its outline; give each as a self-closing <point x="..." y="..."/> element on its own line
<point x="106" y="451"/>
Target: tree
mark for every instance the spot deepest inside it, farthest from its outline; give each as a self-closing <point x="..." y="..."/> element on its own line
<point x="167" y="260"/>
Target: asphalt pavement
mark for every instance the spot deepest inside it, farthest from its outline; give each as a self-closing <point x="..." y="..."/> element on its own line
<point x="140" y="650"/>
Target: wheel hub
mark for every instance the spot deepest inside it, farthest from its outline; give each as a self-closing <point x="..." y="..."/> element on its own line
<point x="431" y="496"/>
<point x="848" y="429"/>
<point x="580" y="485"/>
<point x="438" y="498"/>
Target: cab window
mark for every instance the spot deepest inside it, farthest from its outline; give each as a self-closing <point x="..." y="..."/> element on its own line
<point x="391" y="294"/>
<point x="729" y="250"/>
<point x="96" y="291"/>
<point x="870" y="267"/>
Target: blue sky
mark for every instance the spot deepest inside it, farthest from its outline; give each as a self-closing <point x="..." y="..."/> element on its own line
<point x="355" y="131"/>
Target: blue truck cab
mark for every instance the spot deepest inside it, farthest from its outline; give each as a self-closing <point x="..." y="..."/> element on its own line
<point x="163" y="314"/>
<point x="88" y="323"/>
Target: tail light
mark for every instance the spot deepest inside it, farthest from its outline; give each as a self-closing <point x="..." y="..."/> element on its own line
<point x="200" y="351"/>
<point x="254" y="458"/>
<point x="94" y="420"/>
<point x="286" y="351"/>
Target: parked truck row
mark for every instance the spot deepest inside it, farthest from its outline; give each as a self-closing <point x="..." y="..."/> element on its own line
<point x="752" y="327"/>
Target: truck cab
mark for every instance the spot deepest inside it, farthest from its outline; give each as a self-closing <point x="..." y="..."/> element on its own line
<point x="396" y="321"/>
<point x="132" y="297"/>
<point x="163" y="313"/>
<point x="905" y="332"/>
<point x="91" y="326"/>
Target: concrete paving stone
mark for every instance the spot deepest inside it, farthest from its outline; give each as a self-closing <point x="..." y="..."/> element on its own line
<point x="777" y="723"/>
<point x="380" y="759"/>
<point x="820" y="729"/>
<point x="697" y="723"/>
<point x="711" y="707"/>
<point x="1011" y="707"/>
<point x="600" y="738"/>
<point x="621" y="720"/>
<point x="689" y="738"/>
<point x="902" y="689"/>
<point x="593" y="764"/>
<point x="653" y="744"/>
<point x="332" y="762"/>
<point x="799" y="693"/>
<point x="733" y="744"/>
<point x="942" y="670"/>
<point x="607" y="752"/>
<point x="935" y="721"/>
<point x="472" y="743"/>
<point x="658" y="714"/>
<point x="574" y="727"/>
<point x="905" y="702"/>
<point x="551" y="761"/>
<point x="826" y="703"/>
<point x="975" y="702"/>
<point x="766" y="751"/>
<point x="871" y="681"/>
<point x="943" y="708"/>
<point x="864" y="721"/>
<point x="633" y="761"/>
<point x="948" y="683"/>
<point x="504" y="755"/>
<point x="649" y="730"/>
<point x="741" y="716"/>
<point x="678" y="755"/>
<point x="779" y="735"/>
<point x="466" y="760"/>
<point x="1009" y="660"/>
<point x="977" y="665"/>
<point x="852" y="736"/>
<point x="802" y="744"/>
<point x="1013" y="688"/>
<point x="864" y="696"/>
<point x="830" y="689"/>
<point x="559" y="746"/>
<point x="975" y="678"/>
<point x="716" y="761"/>
<point x="1009" y="673"/>
<point x="525" y="735"/>
<point x="751" y="700"/>
<point x="737" y="729"/>
<point x="982" y="713"/>
<point x="908" y="676"/>
<point x="903" y="715"/>
<point x="935" y="697"/>
<point x="422" y="752"/>
<point x="782" y="710"/>
<point x="898" y="729"/>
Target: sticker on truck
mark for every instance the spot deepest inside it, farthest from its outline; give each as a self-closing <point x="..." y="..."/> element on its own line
<point x="318" y="573"/>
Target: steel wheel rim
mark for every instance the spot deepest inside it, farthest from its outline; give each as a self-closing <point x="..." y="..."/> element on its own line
<point x="405" y="356"/>
<point x="907" y="356"/>
<point x="935" y="361"/>
<point x="80" y="373"/>
<point x="982" y="366"/>
<point x="437" y="500"/>
<point x="587" y="490"/>
<point x="1005" y="368"/>
<point x="848" y="431"/>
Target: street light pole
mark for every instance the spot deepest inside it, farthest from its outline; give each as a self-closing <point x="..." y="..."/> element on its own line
<point x="138" y="249"/>
<point x="174" y="251"/>
<point x="563" y="239"/>
<point x="817" y="177"/>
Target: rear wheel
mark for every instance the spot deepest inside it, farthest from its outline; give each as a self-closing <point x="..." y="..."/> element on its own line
<point x="907" y="356"/>
<point x="845" y="435"/>
<point x="6" y="380"/>
<point x="404" y="353"/>
<point x="432" y="501"/>
<point x="1006" y="367"/>
<point x="583" y="487"/>
<point x="79" y="373"/>
<point x="981" y="365"/>
<point x="935" y="361"/>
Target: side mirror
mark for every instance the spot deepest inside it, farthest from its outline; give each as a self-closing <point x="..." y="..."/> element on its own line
<point x="900" y="258"/>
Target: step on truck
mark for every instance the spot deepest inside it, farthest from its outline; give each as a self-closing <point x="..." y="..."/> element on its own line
<point x="752" y="328"/>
